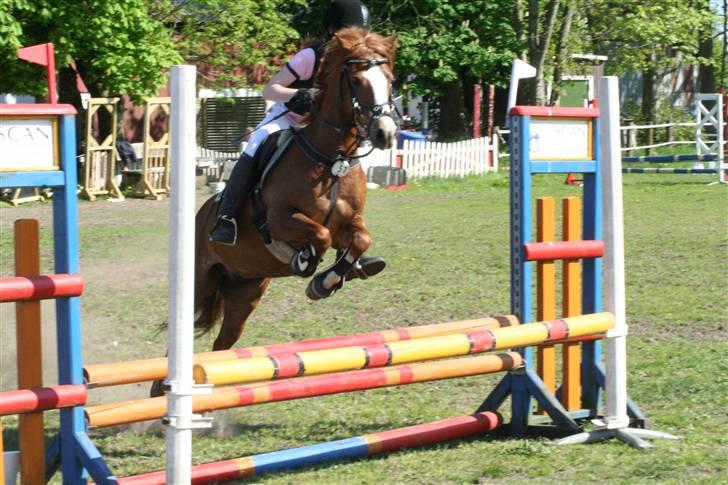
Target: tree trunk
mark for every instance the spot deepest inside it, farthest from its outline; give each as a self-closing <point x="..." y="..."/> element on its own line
<point x="562" y="52"/>
<point x="452" y="109"/>
<point x="539" y="41"/>
<point x="649" y="77"/>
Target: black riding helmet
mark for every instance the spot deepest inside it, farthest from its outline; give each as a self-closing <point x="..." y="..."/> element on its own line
<point x="346" y="13"/>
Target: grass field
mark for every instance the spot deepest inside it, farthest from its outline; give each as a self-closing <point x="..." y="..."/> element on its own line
<point x="446" y="243"/>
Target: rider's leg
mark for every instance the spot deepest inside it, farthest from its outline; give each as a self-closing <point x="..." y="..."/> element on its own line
<point x="237" y="188"/>
<point x="240" y="183"/>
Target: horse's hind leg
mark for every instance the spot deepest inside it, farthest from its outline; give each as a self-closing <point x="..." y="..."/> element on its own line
<point x="240" y="297"/>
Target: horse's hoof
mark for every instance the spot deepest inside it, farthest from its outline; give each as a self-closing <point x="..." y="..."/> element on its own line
<point x="304" y="262"/>
<point x="316" y="290"/>
<point x="366" y="267"/>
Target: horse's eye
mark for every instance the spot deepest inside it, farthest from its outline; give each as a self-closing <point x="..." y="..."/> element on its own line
<point x="356" y="82"/>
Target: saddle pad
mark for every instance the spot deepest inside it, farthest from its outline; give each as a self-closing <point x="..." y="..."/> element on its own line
<point x="284" y="140"/>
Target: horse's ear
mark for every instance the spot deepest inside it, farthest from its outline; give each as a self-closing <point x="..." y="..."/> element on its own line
<point x="345" y="44"/>
<point x="390" y="43"/>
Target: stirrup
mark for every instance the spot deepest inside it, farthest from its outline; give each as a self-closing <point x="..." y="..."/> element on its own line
<point x="221" y="231"/>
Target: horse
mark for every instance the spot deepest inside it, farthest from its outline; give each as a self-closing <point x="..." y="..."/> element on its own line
<point x="314" y="196"/>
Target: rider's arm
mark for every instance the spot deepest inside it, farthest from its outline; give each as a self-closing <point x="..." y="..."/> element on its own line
<point x="277" y="89"/>
<point x="300" y="66"/>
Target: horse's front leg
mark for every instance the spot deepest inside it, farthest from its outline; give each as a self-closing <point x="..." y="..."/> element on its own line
<point x="356" y="240"/>
<point x="298" y="227"/>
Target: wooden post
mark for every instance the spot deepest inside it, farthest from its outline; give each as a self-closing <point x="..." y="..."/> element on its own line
<point x="29" y="350"/>
<point x="571" y="352"/>
<point x="546" y="291"/>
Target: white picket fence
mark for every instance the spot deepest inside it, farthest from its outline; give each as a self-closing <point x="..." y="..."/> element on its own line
<point x="433" y="159"/>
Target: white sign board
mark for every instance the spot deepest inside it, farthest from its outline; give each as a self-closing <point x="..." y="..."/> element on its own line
<point x="560" y="139"/>
<point x="28" y="144"/>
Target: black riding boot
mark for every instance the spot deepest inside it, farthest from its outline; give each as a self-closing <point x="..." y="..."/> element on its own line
<point x="237" y="189"/>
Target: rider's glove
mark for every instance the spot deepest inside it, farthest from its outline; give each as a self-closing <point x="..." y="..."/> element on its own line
<point x="302" y="101"/>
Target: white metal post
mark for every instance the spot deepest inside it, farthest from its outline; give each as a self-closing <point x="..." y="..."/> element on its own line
<point x="616" y="419"/>
<point x="180" y="383"/>
<point x="615" y="347"/>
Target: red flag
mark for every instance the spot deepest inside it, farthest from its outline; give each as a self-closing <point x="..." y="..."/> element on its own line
<point x="37" y="54"/>
<point x="44" y="55"/>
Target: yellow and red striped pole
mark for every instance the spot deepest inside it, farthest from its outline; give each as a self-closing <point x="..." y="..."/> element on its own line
<point x="350" y="358"/>
<point x="117" y="373"/>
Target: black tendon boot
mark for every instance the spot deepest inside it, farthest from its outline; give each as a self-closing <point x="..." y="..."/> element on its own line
<point x="237" y="189"/>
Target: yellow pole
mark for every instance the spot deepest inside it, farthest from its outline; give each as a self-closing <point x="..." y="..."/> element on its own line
<point x="30" y="364"/>
<point x="546" y="291"/>
<point x="571" y="352"/>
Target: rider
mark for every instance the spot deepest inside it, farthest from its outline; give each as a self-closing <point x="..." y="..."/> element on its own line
<point x="291" y="89"/>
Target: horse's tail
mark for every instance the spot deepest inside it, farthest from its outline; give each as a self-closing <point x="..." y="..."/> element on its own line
<point x="208" y="312"/>
<point x="208" y="280"/>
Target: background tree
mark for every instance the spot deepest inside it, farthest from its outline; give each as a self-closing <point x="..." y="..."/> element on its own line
<point x="126" y="46"/>
<point x="648" y="37"/>
<point x="117" y="46"/>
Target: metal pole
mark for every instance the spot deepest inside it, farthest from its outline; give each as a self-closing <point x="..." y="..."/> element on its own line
<point x="181" y="277"/>
<point x="614" y="285"/>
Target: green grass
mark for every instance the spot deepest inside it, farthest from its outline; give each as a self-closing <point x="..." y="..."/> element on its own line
<point x="446" y="243"/>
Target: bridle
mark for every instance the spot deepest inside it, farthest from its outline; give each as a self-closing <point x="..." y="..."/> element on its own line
<point x="342" y="163"/>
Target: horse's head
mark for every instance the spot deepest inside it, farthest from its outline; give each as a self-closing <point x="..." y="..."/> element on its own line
<point x="356" y="75"/>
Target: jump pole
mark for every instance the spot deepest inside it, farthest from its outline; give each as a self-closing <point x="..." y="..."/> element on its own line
<point x="359" y="447"/>
<point x="352" y="358"/>
<point x="305" y="387"/>
<point x="179" y="419"/>
<point x="522" y="335"/>
<point x="116" y="373"/>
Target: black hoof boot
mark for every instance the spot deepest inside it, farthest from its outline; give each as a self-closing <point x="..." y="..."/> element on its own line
<point x="316" y="290"/>
<point x="366" y="267"/>
<point x="157" y="389"/>
<point x="225" y="231"/>
<point x="304" y="262"/>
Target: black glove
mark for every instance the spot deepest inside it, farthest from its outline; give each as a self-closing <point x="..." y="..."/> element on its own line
<point x="302" y="101"/>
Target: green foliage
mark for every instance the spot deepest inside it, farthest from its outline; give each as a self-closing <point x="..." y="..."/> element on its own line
<point x="117" y="46"/>
<point x="126" y="46"/>
<point x="441" y="42"/>
<point x="648" y="34"/>
<point x="228" y="38"/>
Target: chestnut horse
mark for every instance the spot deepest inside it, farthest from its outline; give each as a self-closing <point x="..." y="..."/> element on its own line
<point x="314" y="195"/>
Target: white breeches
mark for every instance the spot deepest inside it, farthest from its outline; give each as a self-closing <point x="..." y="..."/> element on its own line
<point x="268" y="127"/>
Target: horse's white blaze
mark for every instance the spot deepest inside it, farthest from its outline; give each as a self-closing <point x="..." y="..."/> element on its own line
<point x="380" y="87"/>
